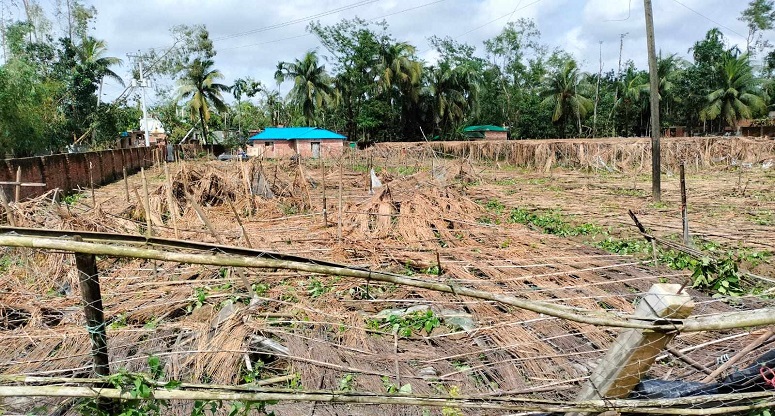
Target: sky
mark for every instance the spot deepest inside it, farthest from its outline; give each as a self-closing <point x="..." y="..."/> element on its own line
<point x="250" y="37"/>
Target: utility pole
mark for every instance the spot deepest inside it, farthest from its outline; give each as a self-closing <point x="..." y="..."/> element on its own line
<point x="142" y="86"/>
<point x="656" y="180"/>
<point x="597" y="92"/>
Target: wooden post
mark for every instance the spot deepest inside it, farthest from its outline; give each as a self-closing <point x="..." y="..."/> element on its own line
<point x="656" y="179"/>
<point x="91" y="185"/>
<point x="635" y="350"/>
<point x="126" y="184"/>
<point x="370" y="167"/>
<point x="89" y="282"/>
<point x="18" y="187"/>
<point x="325" y="202"/>
<point x="171" y="201"/>
<point x="341" y="184"/>
<point x="146" y="204"/>
<point x="684" y="210"/>
<point x="7" y="208"/>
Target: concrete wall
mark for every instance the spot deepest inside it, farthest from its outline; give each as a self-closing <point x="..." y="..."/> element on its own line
<point x="69" y="171"/>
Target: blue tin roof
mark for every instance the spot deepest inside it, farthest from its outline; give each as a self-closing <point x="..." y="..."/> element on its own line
<point x="293" y="133"/>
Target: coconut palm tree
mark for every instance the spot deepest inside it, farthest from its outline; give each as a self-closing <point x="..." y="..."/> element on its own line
<point x="396" y="68"/>
<point x="312" y="87"/>
<point x="91" y="57"/>
<point x="453" y="92"/>
<point x="247" y="87"/>
<point x="199" y="85"/>
<point x="561" y="92"/>
<point x="739" y="96"/>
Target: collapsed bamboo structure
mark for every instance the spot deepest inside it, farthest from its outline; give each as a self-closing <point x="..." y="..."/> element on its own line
<point x="417" y="249"/>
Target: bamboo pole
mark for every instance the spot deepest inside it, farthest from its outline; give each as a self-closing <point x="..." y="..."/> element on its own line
<point x="146" y="205"/>
<point x="93" y="380"/>
<point x="341" y="185"/>
<point x="18" y="187"/>
<point x="685" y="358"/>
<point x="680" y="406"/>
<point x="91" y="185"/>
<point x="750" y="347"/>
<point x="203" y="217"/>
<point x="758" y="317"/>
<point x="239" y="221"/>
<point x="171" y="201"/>
<point x="325" y="202"/>
<point x="684" y="210"/>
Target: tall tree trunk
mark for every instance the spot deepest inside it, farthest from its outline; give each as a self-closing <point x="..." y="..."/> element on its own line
<point x="204" y="125"/>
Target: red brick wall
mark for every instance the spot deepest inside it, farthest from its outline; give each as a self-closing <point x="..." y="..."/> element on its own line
<point x="284" y="149"/>
<point x="55" y="172"/>
<point x="496" y="135"/>
<point x="32" y="171"/>
<point x="68" y="171"/>
<point x="327" y="147"/>
<point x="93" y="162"/>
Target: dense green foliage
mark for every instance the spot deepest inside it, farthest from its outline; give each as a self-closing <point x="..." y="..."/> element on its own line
<point x="370" y="85"/>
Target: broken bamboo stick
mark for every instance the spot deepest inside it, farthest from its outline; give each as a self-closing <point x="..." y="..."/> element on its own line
<point x="146" y="204"/>
<point x="126" y="184"/>
<point x="203" y="217"/>
<point x="18" y="187"/>
<point x="737" y="357"/>
<point x="341" y="185"/>
<point x="684" y="211"/>
<point x="239" y="221"/>
<point x="173" y="209"/>
<point x="7" y="208"/>
<point x="91" y="185"/>
<point x="729" y="320"/>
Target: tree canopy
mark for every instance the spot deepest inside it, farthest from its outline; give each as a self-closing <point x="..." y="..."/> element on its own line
<point x="368" y="84"/>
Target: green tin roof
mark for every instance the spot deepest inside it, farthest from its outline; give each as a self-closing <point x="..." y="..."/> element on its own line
<point x="488" y="127"/>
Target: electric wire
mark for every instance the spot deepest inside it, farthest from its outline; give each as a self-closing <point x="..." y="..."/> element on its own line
<point x="309" y="34"/>
<point x="299" y="20"/>
<point x="709" y="19"/>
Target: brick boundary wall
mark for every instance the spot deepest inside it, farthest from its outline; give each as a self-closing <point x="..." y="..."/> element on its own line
<point x="70" y="170"/>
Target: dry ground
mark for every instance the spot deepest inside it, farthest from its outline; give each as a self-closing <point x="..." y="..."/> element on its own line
<point x="201" y="322"/>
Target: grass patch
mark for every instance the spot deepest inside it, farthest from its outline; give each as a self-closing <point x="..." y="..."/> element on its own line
<point x="552" y="222"/>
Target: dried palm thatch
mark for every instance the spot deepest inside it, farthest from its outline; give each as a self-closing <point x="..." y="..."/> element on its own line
<point x="618" y="154"/>
<point x="207" y="326"/>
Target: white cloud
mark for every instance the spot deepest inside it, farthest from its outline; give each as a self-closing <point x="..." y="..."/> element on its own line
<point x="574" y="25"/>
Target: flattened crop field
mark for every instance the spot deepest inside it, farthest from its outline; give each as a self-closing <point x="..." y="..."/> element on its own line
<point x="434" y="310"/>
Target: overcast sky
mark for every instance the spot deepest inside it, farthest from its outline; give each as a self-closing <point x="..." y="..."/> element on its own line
<point x="246" y="46"/>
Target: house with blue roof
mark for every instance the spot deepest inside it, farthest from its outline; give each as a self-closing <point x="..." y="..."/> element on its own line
<point x="286" y="142"/>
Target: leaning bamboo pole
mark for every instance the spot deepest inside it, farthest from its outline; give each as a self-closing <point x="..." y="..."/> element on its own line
<point x="521" y="404"/>
<point x="759" y="317"/>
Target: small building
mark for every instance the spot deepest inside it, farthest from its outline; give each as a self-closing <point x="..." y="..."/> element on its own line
<point x="285" y="142"/>
<point x="675" y="131"/>
<point x="486" y="132"/>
